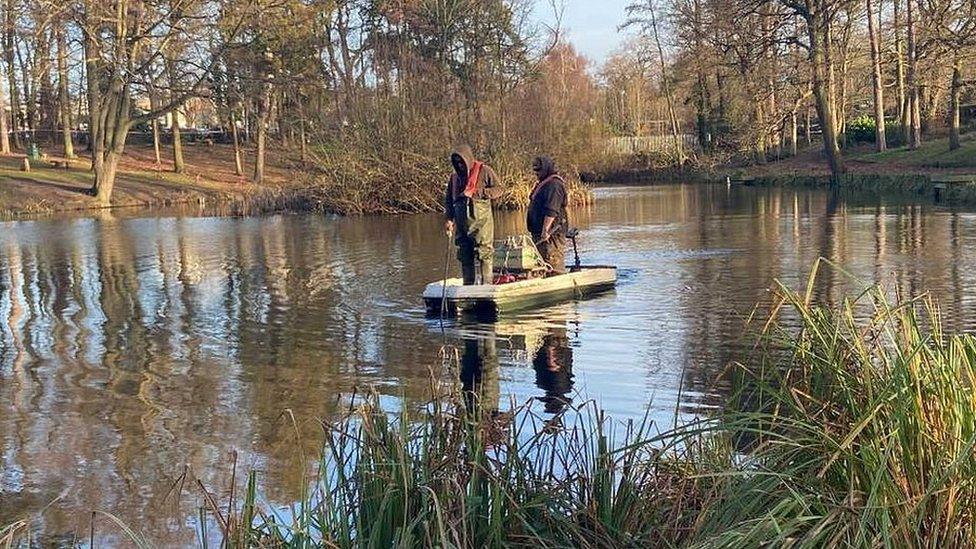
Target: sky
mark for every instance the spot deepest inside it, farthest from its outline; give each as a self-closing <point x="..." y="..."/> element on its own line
<point x="591" y="25"/>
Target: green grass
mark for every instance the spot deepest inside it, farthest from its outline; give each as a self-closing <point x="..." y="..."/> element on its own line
<point x="81" y="177"/>
<point x="854" y="425"/>
<point x="932" y="154"/>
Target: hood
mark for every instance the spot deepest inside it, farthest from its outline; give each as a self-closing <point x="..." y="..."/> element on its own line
<point x="548" y="167"/>
<point x="466" y="154"/>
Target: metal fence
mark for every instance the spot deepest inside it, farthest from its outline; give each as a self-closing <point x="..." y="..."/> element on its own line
<point x="651" y="144"/>
<point x="81" y="137"/>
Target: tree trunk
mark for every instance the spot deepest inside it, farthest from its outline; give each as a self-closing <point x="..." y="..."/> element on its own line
<point x="899" y="58"/>
<point x="665" y="82"/>
<point x="64" y="97"/>
<point x="48" y="117"/>
<point x="30" y="100"/>
<point x="827" y="53"/>
<point x="776" y="136"/>
<point x="954" y="105"/>
<point x="156" y="152"/>
<point x="153" y="105"/>
<point x="8" y="47"/>
<point x="794" y="134"/>
<point x="703" y="101"/>
<point x="759" y="150"/>
<point x="303" y="147"/>
<point x="238" y="161"/>
<point x="109" y="108"/>
<point x="933" y="100"/>
<point x="723" y="100"/>
<point x="178" y="165"/>
<point x="824" y="99"/>
<point x="915" y="117"/>
<point x="4" y="126"/>
<point x="259" y="155"/>
<point x="806" y="127"/>
<point x="105" y="177"/>
<point x="701" y="110"/>
<point x="878" y="83"/>
<point x="264" y="113"/>
<point x="845" y="81"/>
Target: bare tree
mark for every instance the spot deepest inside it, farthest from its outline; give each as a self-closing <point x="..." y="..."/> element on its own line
<point x="951" y="25"/>
<point x="876" y="79"/>
<point x="9" y="40"/>
<point x="644" y="14"/>
<point x="4" y="126"/>
<point x="266" y="74"/>
<point x="64" y="97"/>
<point x="124" y="40"/>
<point x="914" y="100"/>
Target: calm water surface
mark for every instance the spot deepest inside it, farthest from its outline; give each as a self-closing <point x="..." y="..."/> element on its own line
<point x="131" y="348"/>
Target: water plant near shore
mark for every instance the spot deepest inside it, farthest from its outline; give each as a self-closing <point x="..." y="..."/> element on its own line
<point x="851" y="424"/>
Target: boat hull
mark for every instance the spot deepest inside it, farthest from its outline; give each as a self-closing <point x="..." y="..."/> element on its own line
<point x="494" y="299"/>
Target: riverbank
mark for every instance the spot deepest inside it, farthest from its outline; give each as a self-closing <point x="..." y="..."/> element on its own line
<point x="343" y="185"/>
<point x="59" y="185"/>
<point x="364" y="187"/>
<point x="932" y="172"/>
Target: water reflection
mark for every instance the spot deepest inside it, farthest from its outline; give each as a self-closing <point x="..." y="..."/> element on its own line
<point x="553" y="364"/>
<point x="131" y="348"/>
<point x="539" y="343"/>
<point x="479" y="374"/>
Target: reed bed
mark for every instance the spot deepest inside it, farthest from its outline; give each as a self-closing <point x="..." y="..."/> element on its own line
<point x="350" y="181"/>
<point x="851" y="425"/>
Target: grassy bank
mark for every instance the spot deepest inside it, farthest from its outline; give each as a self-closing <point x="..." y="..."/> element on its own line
<point x="59" y="185"/>
<point x="933" y="158"/>
<point x="932" y="154"/>
<point x="931" y="172"/>
<point x="852" y="425"/>
<point x="880" y="172"/>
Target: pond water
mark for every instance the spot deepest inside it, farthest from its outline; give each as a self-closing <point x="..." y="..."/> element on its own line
<point x="133" y="347"/>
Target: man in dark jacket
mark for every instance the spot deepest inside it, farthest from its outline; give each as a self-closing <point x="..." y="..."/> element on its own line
<point x="547" y="217"/>
<point x="467" y="209"/>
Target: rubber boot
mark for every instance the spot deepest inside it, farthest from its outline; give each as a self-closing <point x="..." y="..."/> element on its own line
<point x="485" y="271"/>
<point x="467" y="273"/>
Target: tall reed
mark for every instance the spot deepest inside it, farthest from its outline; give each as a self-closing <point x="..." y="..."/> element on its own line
<point x="863" y="433"/>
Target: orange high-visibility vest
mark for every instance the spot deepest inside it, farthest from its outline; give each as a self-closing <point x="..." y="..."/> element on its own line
<point x="472" y="185"/>
<point x="544" y="182"/>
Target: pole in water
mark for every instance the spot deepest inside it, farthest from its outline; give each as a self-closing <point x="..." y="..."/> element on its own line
<point x="447" y="260"/>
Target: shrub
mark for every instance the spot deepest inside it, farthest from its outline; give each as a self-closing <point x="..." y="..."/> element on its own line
<point x="861" y="130"/>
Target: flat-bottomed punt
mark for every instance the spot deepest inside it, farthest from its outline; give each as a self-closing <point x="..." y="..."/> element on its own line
<point x="521" y="294"/>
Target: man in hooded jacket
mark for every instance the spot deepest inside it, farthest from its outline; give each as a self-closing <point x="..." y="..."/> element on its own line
<point x="468" y="213"/>
<point x="547" y="217"/>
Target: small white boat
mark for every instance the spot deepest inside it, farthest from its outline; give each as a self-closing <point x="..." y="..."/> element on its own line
<point x="531" y="292"/>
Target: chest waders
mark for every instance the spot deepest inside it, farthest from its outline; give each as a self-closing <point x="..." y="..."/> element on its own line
<point x="475" y="232"/>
